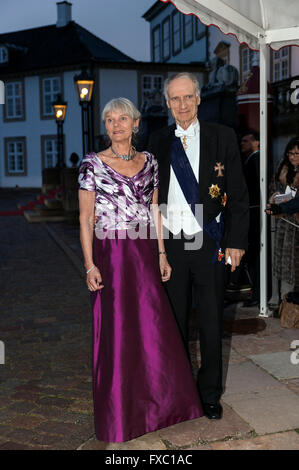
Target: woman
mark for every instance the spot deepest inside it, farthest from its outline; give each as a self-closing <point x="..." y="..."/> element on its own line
<point x="286" y="246"/>
<point x="142" y="380"/>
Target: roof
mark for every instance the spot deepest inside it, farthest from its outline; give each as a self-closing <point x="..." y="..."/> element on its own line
<point x="154" y="10"/>
<point x="49" y="46"/>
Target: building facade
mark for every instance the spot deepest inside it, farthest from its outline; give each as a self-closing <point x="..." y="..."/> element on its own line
<point x="38" y="64"/>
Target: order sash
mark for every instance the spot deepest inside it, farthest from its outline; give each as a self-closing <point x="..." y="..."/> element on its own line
<point x="190" y="187"/>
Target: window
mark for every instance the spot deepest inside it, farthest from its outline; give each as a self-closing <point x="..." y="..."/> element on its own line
<point x="51" y="87"/>
<point x="3" y="55"/>
<point x="14" y="100"/>
<point x="281" y="64"/>
<point x="200" y="29"/>
<point x="188" y="30"/>
<point x="151" y="90"/>
<point x="246" y="56"/>
<point x="166" y="39"/>
<point x="246" y="62"/>
<point x="50" y="152"/>
<point x="15" y="156"/>
<point x="176" y="32"/>
<point x="156" y="44"/>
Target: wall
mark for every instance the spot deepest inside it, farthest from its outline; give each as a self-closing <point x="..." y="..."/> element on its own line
<point x="115" y="83"/>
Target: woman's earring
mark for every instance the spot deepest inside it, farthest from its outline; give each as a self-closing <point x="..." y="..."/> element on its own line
<point x="135" y="130"/>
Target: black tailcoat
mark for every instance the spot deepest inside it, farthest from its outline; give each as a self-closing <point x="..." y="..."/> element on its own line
<point x="194" y="277"/>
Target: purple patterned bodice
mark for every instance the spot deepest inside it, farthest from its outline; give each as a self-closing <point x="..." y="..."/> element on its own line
<point x="121" y="202"/>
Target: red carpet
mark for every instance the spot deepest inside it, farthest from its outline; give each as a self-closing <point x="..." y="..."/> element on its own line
<point x="31" y="205"/>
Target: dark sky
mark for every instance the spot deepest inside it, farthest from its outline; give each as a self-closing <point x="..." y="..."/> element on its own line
<point x="118" y="22"/>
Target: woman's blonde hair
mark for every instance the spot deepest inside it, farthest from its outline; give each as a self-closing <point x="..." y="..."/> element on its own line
<point x="121" y="104"/>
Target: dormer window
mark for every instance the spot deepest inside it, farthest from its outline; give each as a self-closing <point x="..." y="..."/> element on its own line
<point x="3" y="55"/>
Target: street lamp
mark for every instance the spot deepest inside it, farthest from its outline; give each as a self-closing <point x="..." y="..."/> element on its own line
<point x="84" y="86"/>
<point x="59" y="108"/>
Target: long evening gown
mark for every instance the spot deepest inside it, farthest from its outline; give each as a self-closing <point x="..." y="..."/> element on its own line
<point x="142" y="379"/>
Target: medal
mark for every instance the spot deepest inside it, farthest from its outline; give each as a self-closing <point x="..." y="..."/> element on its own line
<point x="224" y="199"/>
<point x="219" y="168"/>
<point x="214" y="190"/>
<point x="184" y="142"/>
<point x="220" y="255"/>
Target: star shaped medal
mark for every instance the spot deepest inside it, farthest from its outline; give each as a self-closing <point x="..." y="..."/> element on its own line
<point x="214" y="190"/>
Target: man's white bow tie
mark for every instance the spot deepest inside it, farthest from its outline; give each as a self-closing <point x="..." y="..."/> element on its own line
<point x="190" y="132"/>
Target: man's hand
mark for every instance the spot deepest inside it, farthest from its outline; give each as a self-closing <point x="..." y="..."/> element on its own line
<point x="236" y="255"/>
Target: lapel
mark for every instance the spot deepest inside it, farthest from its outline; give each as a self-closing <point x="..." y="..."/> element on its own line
<point x="164" y="163"/>
<point x="208" y="155"/>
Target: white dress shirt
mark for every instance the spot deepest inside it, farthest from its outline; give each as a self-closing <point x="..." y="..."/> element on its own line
<point x="179" y="213"/>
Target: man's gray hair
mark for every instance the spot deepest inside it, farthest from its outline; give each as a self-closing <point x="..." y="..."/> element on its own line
<point x="189" y="75"/>
<point x="121" y="104"/>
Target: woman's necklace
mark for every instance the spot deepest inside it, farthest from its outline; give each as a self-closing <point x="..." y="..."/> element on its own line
<point x="125" y="157"/>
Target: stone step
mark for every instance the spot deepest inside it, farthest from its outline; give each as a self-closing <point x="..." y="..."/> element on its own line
<point x="43" y="210"/>
<point x="33" y="216"/>
<point x="53" y="203"/>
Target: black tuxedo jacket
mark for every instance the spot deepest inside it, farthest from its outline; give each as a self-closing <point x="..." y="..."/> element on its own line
<point x="218" y="144"/>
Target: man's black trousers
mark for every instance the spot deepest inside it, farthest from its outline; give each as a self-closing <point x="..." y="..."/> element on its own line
<point x="194" y="274"/>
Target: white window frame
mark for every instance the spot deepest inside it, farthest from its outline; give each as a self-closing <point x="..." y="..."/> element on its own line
<point x="15" y="154"/>
<point x="176" y="33"/>
<point x="188" y="29"/>
<point x="281" y="58"/>
<point x="53" y="152"/>
<point x="156" y="44"/>
<point x="11" y="100"/>
<point x="166" y="39"/>
<point x="152" y="80"/>
<point x="247" y="68"/>
<point x="245" y="71"/>
<point x="52" y="93"/>
<point x="3" y="55"/>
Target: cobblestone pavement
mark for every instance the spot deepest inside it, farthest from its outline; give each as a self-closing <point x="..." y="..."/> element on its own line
<point x="45" y="384"/>
<point x="45" y="324"/>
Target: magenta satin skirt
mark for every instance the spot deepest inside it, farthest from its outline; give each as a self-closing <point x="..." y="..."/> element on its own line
<point x="142" y="379"/>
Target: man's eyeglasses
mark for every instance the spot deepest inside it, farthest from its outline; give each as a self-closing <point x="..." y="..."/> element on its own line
<point x="293" y="154"/>
<point x="176" y="100"/>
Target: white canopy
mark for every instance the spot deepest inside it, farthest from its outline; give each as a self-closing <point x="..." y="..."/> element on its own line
<point x="258" y="23"/>
<point x="276" y="22"/>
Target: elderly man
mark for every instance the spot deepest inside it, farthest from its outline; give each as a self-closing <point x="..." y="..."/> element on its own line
<point x="199" y="164"/>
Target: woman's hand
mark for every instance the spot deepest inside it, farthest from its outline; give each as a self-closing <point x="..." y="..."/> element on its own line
<point x="273" y="209"/>
<point x="94" y="280"/>
<point x="165" y="268"/>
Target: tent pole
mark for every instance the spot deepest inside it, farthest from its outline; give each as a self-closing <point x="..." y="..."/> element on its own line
<point x="263" y="177"/>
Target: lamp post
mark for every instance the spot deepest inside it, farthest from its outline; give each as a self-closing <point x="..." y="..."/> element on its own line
<point x="59" y="108"/>
<point x="84" y="86"/>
